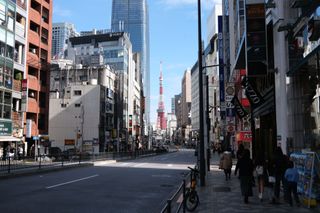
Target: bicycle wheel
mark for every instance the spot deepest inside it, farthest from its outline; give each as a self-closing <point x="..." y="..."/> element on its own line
<point x="192" y="201"/>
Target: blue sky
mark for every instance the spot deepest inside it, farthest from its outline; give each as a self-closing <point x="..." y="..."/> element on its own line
<point x="173" y="36"/>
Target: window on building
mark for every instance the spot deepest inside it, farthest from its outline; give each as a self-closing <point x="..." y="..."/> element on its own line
<point x="45" y="15"/>
<point x="77" y="105"/>
<point x="77" y="92"/>
<point x="36" y="6"/>
<point x="63" y="105"/>
<point x="2" y="13"/>
<point x="34" y="27"/>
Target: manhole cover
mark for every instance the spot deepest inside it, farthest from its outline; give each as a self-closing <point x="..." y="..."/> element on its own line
<point x="166" y="185"/>
<point x="221" y="189"/>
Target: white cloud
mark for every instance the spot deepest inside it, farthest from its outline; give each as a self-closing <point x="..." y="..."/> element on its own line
<point x="58" y="11"/>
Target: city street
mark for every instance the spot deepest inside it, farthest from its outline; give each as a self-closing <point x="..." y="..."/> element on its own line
<point x="141" y="185"/>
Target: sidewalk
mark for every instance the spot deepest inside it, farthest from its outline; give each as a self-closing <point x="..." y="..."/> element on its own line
<point x="220" y="195"/>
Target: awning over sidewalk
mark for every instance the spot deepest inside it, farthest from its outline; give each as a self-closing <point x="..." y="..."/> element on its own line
<point x="9" y="139"/>
<point x="240" y="62"/>
<point x="312" y="55"/>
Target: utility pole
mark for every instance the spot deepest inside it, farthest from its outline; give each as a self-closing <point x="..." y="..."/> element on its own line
<point x="201" y="131"/>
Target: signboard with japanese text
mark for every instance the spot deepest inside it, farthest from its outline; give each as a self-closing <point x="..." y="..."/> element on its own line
<point x="244" y="136"/>
<point x="5" y="128"/>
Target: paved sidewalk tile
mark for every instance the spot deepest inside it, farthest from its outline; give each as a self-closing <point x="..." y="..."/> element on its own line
<point x="219" y="196"/>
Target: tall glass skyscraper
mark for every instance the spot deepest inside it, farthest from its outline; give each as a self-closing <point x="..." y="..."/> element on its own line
<point x="132" y="16"/>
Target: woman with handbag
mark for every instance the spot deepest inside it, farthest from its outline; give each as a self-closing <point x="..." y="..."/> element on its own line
<point x="261" y="174"/>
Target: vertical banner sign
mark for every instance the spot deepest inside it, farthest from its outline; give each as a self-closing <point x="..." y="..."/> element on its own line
<point x="28" y="128"/>
<point x="221" y="62"/>
<point x="252" y="93"/>
<point x="24" y="95"/>
<point x="241" y="112"/>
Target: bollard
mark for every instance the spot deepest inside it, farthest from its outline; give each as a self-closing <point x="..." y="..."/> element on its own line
<point x="39" y="161"/>
<point x="184" y="196"/>
<point x="9" y="165"/>
<point x="169" y="206"/>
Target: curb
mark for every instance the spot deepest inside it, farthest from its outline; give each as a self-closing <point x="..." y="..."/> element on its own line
<point x="17" y="174"/>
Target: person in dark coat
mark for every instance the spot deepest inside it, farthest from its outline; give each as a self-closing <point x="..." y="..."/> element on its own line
<point x="245" y="166"/>
<point x="280" y="164"/>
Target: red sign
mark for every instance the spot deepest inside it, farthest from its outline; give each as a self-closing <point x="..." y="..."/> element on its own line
<point x="245" y="136"/>
<point x="24" y="84"/>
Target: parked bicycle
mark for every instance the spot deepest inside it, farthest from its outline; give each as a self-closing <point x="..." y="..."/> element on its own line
<point x="191" y="197"/>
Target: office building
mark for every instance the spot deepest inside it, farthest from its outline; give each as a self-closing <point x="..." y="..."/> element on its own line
<point x="61" y="32"/>
<point x="132" y="16"/>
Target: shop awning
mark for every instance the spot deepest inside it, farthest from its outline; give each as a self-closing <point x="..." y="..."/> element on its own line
<point x="9" y="139"/>
<point x="303" y="61"/>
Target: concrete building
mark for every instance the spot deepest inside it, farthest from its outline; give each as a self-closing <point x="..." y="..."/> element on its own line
<point x="186" y="105"/>
<point x="82" y="108"/>
<point x="212" y="21"/>
<point x="37" y="72"/>
<point x="61" y="32"/>
<point x="195" y="98"/>
<point x="115" y="50"/>
<point x="171" y="126"/>
<point x="13" y="45"/>
<point x="94" y="32"/>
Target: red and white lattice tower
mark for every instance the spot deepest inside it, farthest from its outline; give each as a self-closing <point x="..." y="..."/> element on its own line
<point x="161" y="121"/>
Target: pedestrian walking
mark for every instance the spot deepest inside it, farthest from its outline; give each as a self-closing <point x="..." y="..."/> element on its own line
<point x="292" y="177"/>
<point x="20" y="152"/>
<point x="240" y="151"/>
<point x="239" y="156"/>
<point x="260" y="169"/>
<point x="279" y="167"/>
<point x="226" y="164"/>
<point x="245" y="166"/>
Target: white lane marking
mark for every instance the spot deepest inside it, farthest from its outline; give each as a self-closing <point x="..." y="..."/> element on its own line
<point x="73" y="181"/>
<point x="169" y="165"/>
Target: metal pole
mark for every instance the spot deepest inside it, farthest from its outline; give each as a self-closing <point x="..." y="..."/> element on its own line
<point x="201" y="132"/>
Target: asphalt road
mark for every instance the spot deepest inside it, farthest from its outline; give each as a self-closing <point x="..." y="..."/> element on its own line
<point x="141" y="185"/>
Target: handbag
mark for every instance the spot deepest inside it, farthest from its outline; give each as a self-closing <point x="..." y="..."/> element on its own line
<point x="259" y="170"/>
<point x="271" y="179"/>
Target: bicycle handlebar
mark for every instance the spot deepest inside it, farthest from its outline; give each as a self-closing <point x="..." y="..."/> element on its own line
<point x="193" y="169"/>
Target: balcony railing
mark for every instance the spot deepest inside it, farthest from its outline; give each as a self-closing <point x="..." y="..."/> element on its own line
<point x="20" y="30"/>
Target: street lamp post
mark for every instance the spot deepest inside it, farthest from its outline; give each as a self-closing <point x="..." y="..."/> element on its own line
<point x="201" y="120"/>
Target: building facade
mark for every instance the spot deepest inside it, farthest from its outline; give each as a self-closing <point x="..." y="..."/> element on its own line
<point x="82" y="108"/>
<point x="115" y="50"/>
<point x="61" y="32"/>
<point x="13" y="39"/>
<point x="186" y="104"/>
<point x="37" y="71"/>
<point x="132" y="16"/>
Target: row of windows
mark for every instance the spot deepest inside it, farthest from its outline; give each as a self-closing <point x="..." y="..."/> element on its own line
<point x="5" y="104"/>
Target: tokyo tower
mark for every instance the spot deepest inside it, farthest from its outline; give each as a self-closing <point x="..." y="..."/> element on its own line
<point x="161" y="121"/>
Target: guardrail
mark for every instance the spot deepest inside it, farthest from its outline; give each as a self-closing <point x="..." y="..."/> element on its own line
<point x="14" y="164"/>
<point x="177" y="201"/>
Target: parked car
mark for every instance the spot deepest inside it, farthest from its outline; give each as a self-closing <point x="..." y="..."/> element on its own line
<point x="55" y="152"/>
<point x="70" y="154"/>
